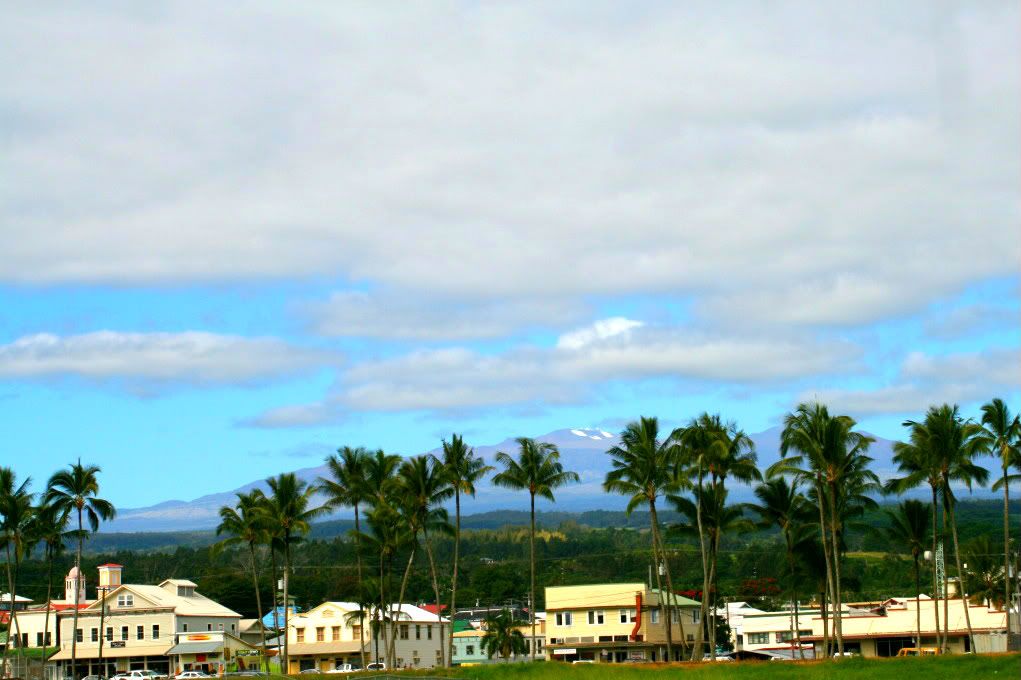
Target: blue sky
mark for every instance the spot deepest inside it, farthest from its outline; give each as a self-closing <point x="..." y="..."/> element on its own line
<point x="240" y="237"/>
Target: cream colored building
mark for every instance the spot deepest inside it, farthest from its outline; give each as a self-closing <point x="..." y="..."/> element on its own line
<point x="614" y="623"/>
<point x="884" y="629"/>
<point x="32" y="628"/>
<point x="329" y="635"/>
<point x="772" y="633"/>
<point x="140" y="624"/>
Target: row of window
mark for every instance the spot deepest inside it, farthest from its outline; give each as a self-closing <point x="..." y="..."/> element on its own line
<point x="597" y="617"/>
<point x="404" y="631"/>
<point x="139" y="632"/>
<point x="469" y="650"/>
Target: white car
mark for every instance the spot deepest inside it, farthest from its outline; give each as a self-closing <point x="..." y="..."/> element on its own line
<point x="344" y="668"/>
<point x="375" y="666"/>
<point x="191" y="675"/>
<point x="139" y="675"/>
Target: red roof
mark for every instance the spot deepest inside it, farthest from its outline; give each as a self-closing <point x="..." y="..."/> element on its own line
<point x="434" y="608"/>
<point x="111" y="564"/>
<point x="61" y="607"/>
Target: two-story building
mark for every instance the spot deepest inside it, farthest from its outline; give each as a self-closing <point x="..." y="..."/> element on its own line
<point x="468" y="645"/>
<point x="139" y="625"/>
<point x="615" y="623"/>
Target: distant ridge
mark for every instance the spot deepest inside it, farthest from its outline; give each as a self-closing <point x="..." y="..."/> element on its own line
<point x="582" y="450"/>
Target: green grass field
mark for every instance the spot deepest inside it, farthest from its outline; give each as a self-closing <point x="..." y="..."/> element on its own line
<point x="984" y="667"/>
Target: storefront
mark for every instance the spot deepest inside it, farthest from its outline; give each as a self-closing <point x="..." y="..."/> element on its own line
<point x="213" y="653"/>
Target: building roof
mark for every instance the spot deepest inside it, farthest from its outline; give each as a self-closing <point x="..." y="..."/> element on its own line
<point x="64" y="654"/>
<point x="469" y="633"/>
<point x="435" y="608"/>
<point x="160" y="597"/>
<point x="6" y="597"/>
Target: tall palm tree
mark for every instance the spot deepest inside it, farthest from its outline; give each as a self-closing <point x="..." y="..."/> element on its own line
<point x="502" y="637"/>
<point x="425" y="487"/>
<point x="76" y="491"/>
<point x="909" y="528"/>
<point x="826" y="450"/>
<point x="387" y="532"/>
<point x="245" y="524"/>
<point x="642" y="466"/>
<point x="783" y="506"/>
<point x="346" y="487"/>
<point x="539" y="471"/>
<point x="985" y="576"/>
<point x="17" y="513"/>
<point x="953" y="443"/>
<point x="49" y="528"/>
<point x="1003" y="439"/>
<point x="464" y="470"/>
<point x="289" y="506"/>
<point x="915" y="461"/>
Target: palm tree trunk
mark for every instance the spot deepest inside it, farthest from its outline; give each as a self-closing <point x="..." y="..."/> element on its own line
<point x="960" y="575"/>
<point x="672" y="605"/>
<point x="918" y="602"/>
<point x="1006" y="543"/>
<point x="664" y="610"/>
<point x="10" y="589"/>
<point x="453" y="580"/>
<point x="696" y="652"/>
<point x="821" y="498"/>
<point x="825" y="624"/>
<point x="436" y="592"/>
<point x="838" y="624"/>
<point x="287" y="608"/>
<point x="77" y="597"/>
<point x="935" y="580"/>
<point x="400" y="600"/>
<point x="258" y="602"/>
<point x="49" y="599"/>
<point x="101" y="594"/>
<point x="381" y="614"/>
<point x="361" y="598"/>
<point x="946" y="591"/>
<point x="531" y="561"/>
<point x="794" y="592"/>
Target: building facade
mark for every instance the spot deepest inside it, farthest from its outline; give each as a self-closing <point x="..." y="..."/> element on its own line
<point x="615" y="623"/>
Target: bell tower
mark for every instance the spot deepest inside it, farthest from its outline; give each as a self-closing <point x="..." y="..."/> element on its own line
<point x="74" y="582"/>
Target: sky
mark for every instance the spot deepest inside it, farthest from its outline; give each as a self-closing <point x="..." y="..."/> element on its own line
<point x="239" y="235"/>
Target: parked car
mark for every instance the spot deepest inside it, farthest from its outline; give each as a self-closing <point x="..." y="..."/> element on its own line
<point x="139" y="675"/>
<point x="918" y="651"/>
<point x="375" y="666"/>
<point x="191" y="675"/>
<point x="583" y="661"/>
<point x="310" y="671"/>
<point x="344" y="668"/>
<point x="93" y="677"/>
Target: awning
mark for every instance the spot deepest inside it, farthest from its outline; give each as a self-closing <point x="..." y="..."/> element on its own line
<point x="212" y="647"/>
<point x="85" y="653"/>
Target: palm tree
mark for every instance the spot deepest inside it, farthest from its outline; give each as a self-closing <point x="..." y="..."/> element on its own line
<point x="49" y="528"/>
<point x="538" y="470"/>
<point x="642" y="467"/>
<point x="1003" y="439"/>
<point x="463" y="469"/>
<point x="985" y="576"/>
<point x="953" y="443"/>
<point x="783" y="506"/>
<point x="16" y="535"/>
<point x="76" y="491"/>
<point x="718" y="518"/>
<point x="387" y="532"/>
<point x="246" y="524"/>
<point x="502" y="637"/>
<point x="914" y="459"/>
<point x="909" y="528"/>
<point x="424" y="488"/>
<point x="346" y="487"/>
<point x="828" y="452"/>
<point x="289" y="506"/>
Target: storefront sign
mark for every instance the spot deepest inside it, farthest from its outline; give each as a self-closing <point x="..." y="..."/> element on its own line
<point x="564" y="652"/>
<point x="117" y="644"/>
<point x="198" y="637"/>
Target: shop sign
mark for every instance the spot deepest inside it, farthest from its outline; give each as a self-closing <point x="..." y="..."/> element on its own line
<point x="117" y="644"/>
<point x="564" y="652"/>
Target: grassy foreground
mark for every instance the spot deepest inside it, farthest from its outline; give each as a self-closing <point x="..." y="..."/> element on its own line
<point x="984" y="667"/>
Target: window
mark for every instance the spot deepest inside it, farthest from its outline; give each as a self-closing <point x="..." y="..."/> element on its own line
<point x="109" y="633"/>
<point x="758" y="638"/>
<point x="209" y="626"/>
<point x="78" y="635"/>
<point x="627" y="615"/>
<point x="184" y="627"/>
<point x="787" y="636"/>
<point x="38" y="639"/>
<point x="320" y="634"/>
<point x="595" y="617"/>
<point x="696" y="614"/>
<point x="139" y="632"/>
<point x="300" y="633"/>
<point x="232" y="627"/>
<point x="538" y="645"/>
<point x="418" y="632"/>
<point x="404" y="631"/>
<point x="95" y="635"/>
<point x="691" y="637"/>
<point x="429" y="632"/>
<point x="565" y="619"/>
<point x="675" y="615"/>
<point x="124" y="632"/>
<point x="155" y="631"/>
<point x="335" y="633"/>
<point x="654" y="615"/>
<point x="125" y="600"/>
<point x="469" y="650"/>
<point x="356" y="630"/>
<point x="219" y="626"/>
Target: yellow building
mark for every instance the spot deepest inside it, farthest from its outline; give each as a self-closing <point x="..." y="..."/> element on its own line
<point x="615" y="623"/>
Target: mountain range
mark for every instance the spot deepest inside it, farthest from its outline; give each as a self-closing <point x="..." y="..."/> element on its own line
<point x="581" y="449"/>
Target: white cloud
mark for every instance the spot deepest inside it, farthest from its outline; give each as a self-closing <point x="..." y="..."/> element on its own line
<point x="819" y="165"/>
<point x="461" y="378"/>
<point x="189" y="357"/>
<point x="410" y="317"/>
<point x="924" y="380"/>
<point x="600" y="330"/>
